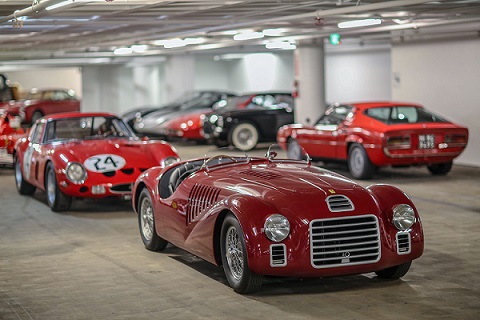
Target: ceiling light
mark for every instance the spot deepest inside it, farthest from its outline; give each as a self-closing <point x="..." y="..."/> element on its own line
<point x="359" y="23"/>
<point x="139" y="48"/>
<point x="59" y="5"/>
<point x="284" y="45"/>
<point x="248" y="36"/>
<point x="194" y="40"/>
<point x="174" y="43"/>
<point x="274" y="32"/>
<point x="121" y="51"/>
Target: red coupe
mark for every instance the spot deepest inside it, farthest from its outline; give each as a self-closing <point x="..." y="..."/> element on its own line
<point x="369" y="135"/>
<point x="277" y="217"/>
<point x="41" y="102"/>
<point x="84" y="155"/>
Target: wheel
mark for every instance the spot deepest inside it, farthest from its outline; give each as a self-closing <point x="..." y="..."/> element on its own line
<point x="36" y="115"/>
<point x="56" y="199"/>
<point x="359" y="164"/>
<point x="234" y="258"/>
<point x="23" y="186"/>
<point x="294" y="150"/>
<point x="440" y="169"/>
<point x="244" y="136"/>
<point x="394" y="272"/>
<point x="146" y="223"/>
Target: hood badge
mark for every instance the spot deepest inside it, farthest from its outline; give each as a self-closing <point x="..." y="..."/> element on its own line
<point x="331" y="191"/>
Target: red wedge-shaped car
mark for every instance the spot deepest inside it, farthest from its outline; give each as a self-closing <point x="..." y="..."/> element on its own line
<point x="369" y="135"/>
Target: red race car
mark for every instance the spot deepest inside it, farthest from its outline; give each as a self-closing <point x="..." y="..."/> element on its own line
<point x="41" y="102"/>
<point x="369" y="135"/>
<point x="277" y="217"/>
<point x="10" y="132"/>
<point x="84" y="155"/>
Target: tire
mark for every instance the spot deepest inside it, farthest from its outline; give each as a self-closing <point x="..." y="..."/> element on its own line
<point x="35" y="116"/>
<point x="294" y="150"/>
<point x="359" y="164"/>
<point x="244" y="136"/>
<point x="234" y="258"/>
<point x="394" y="272"/>
<point x="23" y="186"/>
<point x="56" y="199"/>
<point x="146" y="223"/>
<point x="440" y="169"/>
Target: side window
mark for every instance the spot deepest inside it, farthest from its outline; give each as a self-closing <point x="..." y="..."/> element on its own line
<point x="38" y="133"/>
<point x="382" y="114"/>
<point x="50" y="131"/>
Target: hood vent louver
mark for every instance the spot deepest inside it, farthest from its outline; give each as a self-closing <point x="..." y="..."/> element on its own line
<point x="262" y="174"/>
<point x="339" y="203"/>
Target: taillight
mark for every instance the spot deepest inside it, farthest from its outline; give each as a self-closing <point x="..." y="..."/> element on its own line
<point x="456" y="138"/>
<point x="399" y="142"/>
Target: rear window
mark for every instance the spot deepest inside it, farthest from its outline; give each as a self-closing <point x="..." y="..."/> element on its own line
<point x="402" y="114"/>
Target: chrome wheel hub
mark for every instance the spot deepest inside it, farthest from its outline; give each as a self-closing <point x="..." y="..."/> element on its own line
<point x="234" y="253"/>
<point x="146" y="219"/>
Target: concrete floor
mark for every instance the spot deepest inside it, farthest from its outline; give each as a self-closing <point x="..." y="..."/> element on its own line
<point x="89" y="263"/>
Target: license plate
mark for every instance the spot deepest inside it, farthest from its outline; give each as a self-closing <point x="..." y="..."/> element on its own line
<point x="426" y="141"/>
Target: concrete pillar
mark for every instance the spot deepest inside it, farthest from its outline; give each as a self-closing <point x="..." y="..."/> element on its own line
<point x="309" y="81"/>
<point x="179" y="75"/>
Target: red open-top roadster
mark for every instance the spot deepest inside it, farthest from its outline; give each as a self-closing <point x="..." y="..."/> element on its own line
<point x="84" y="155"/>
<point x="279" y="217"/>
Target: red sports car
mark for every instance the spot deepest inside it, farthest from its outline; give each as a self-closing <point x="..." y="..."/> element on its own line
<point x="268" y="216"/>
<point x="84" y="155"/>
<point x="187" y="126"/>
<point x="41" y="102"/>
<point x="10" y="132"/>
<point x="369" y="135"/>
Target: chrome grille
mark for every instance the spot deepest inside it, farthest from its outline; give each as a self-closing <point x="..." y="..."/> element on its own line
<point x="344" y="241"/>
<point x="200" y="197"/>
<point x="278" y="255"/>
<point x="403" y="243"/>
<point x="338" y="203"/>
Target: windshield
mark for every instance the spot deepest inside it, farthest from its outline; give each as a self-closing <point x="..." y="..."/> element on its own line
<point x="258" y="101"/>
<point x="202" y="100"/>
<point x="402" y="114"/>
<point x="87" y="128"/>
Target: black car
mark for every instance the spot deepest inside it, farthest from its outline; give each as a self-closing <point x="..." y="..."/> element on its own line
<point x="247" y="120"/>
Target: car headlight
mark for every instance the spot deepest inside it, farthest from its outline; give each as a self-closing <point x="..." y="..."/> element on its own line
<point x="403" y="216"/>
<point x="169" y="160"/>
<point x="76" y="172"/>
<point x="277" y="227"/>
<point x="220" y="122"/>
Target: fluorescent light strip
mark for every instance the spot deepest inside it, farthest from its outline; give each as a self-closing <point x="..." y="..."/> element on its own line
<point x="248" y="36"/>
<point x="359" y="23"/>
<point x="59" y="5"/>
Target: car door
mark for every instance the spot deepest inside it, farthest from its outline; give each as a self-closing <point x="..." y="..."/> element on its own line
<point x="32" y="155"/>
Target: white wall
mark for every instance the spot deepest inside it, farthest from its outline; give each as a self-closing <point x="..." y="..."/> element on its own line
<point x="262" y="72"/>
<point x="443" y="76"/>
<point x="358" y="75"/>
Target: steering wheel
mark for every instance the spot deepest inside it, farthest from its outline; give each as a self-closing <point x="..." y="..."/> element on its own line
<point x="220" y="156"/>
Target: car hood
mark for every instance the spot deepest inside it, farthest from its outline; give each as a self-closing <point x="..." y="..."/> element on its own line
<point x="135" y="153"/>
<point x="293" y="188"/>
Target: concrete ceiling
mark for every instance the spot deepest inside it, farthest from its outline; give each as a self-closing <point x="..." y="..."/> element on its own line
<point x="93" y="29"/>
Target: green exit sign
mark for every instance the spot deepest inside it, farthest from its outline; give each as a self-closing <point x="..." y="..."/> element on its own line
<point x="335" y="39"/>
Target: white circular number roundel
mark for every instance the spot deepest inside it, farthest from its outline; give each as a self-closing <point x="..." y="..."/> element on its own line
<point x="104" y="163"/>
